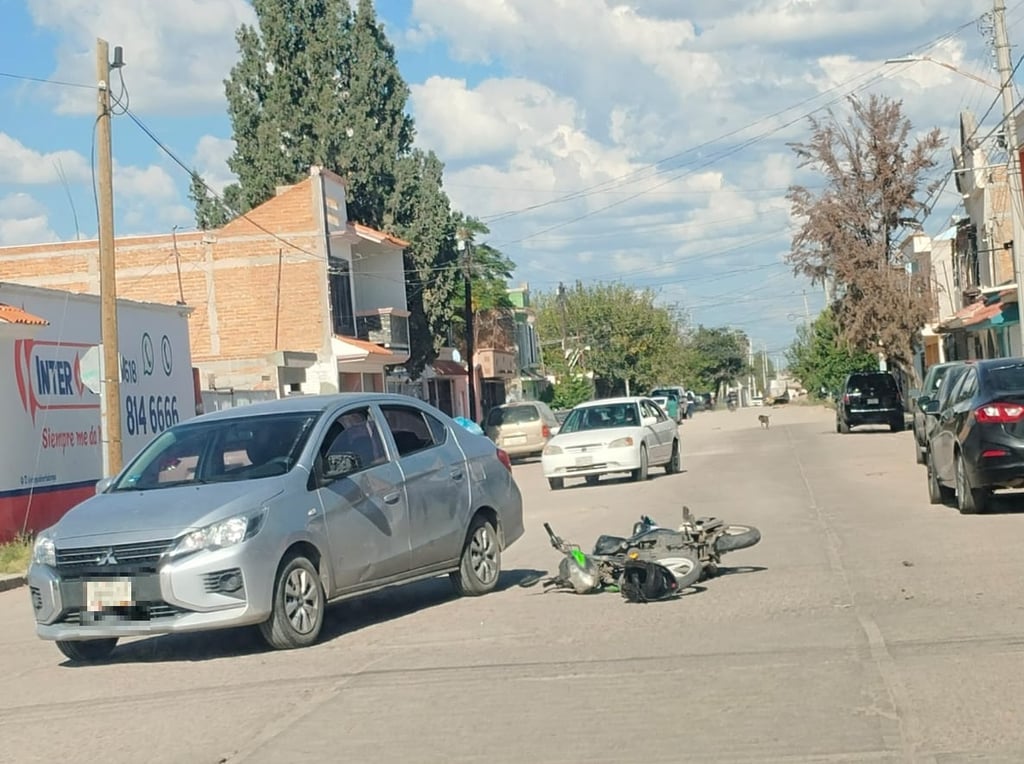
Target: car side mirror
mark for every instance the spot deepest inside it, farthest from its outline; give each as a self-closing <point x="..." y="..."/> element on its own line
<point x="104" y="484"/>
<point x="339" y="465"/>
<point x="923" y="401"/>
<point x="931" y="406"/>
<point x="649" y="421"/>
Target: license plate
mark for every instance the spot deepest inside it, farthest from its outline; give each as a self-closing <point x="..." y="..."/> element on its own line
<point x="583" y="461"/>
<point x="872" y="401"/>
<point x="106" y="594"/>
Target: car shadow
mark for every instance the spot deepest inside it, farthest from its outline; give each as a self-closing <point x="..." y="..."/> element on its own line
<point x="341" y="618"/>
<point x="619" y="480"/>
<point x="998" y="504"/>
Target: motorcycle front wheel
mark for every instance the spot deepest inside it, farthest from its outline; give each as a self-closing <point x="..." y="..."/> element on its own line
<point x="686" y="569"/>
<point x="737" y="537"/>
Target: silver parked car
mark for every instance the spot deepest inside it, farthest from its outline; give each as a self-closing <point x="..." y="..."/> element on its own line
<point x="261" y="514"/>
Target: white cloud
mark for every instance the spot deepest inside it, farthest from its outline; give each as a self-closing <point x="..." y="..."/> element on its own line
<point x="152" y="183"/>
<point x="176" y="52"/>
<point x="211" y="161"/>
<point x="24" y="166"/>
<point x="23" y="220"/>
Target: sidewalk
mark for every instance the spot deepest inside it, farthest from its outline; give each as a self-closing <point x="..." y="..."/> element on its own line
<point x="11" y="581"/>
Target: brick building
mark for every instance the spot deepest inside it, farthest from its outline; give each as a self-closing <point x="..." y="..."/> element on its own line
<point x="291" y="297"/>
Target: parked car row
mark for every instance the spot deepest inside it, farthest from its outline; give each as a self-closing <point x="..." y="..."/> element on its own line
<point x="970" y="432"/>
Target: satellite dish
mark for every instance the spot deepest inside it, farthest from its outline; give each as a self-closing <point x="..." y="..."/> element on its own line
<point x="456" y="356"/>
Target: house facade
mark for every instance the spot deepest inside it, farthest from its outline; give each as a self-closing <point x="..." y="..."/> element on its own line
<point x="291" y="297"/>
<point x="970" y="264"/>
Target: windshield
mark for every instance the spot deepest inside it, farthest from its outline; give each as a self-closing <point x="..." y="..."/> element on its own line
<point x="662" y="393"/>
<point x="243" y="448"/>
<point x="512" y="415"/>
<point x="601" y="417"/>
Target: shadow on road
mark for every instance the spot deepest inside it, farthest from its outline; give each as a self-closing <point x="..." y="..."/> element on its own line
<point x="341" y="618"/>
<point x="998" y="504"/>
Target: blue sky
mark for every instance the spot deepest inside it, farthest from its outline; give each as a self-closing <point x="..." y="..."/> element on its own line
<point x="601" y="139"/>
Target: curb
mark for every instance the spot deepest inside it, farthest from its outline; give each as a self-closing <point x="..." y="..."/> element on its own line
<point x="12" y="582"/>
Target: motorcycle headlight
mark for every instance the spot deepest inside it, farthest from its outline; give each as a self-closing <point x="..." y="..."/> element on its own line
<point x="44" y="552"/>
<point x="621" y="442"/>
<point x="551" y="450"/>
<point x="221" y="534"/>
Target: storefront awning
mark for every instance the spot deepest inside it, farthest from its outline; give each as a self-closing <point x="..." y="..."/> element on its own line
<point x="983" y="314"/>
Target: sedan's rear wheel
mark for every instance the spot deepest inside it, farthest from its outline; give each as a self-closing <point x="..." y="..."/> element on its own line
<point x="969" y="500"/>
<point x="675" y="464"/>
<point x="480" y="565"/>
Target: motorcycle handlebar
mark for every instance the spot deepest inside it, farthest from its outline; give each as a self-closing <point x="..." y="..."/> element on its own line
<point x="556" y="542"/>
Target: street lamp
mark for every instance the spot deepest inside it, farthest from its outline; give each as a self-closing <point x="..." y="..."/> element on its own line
<point x="944" y="65"/>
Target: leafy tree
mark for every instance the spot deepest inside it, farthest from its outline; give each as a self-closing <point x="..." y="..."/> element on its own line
<point x="821" y="358"/>
<point x="570" y="390"/>
<point x="615" y="331"/>
<point x="715" y="357"/>
<point x="317" y="83"/>
<point x="873" y="173"/>
<point x="210" y="212"/>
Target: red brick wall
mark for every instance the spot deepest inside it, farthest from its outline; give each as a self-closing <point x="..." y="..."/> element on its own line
<point x="229" y="277"/>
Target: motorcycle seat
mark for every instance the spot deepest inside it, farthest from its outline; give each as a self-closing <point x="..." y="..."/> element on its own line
<point x="609" y="544"/>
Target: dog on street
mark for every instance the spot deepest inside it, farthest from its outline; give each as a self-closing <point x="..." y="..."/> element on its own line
<point x="764" y="420"/>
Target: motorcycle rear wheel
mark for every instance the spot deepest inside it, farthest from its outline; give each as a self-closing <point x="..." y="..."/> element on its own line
<point x="737" y="537"/>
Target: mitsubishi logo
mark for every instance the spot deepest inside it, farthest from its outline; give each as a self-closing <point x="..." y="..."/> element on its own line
<point x="107" y="558"/>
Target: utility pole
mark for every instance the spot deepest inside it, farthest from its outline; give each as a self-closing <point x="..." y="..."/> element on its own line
<point x="467" y="275"/>
<point x="561" y="311"/>
<point x="111" y="364"/>
<point x="1013" y="168"/>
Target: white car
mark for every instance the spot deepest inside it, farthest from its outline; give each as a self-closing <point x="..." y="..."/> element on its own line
<point x="612" y="435"/>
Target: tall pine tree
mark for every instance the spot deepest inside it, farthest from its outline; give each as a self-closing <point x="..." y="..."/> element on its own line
<point x="317" y="83"/>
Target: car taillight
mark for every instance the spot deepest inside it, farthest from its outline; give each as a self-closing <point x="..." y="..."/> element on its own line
<point x="1000" y="413"/>
<point x="846" y="398"/>
<point x="545" y="431"/>
<point x="505" y="459"/>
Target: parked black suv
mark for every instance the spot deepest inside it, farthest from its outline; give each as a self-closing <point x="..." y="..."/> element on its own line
<point x="869" y="397"/>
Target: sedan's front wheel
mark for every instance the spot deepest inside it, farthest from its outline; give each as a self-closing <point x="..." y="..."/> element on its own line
<point x="640" y="474"/>
<point x="87" y="650"/>
<point x="298" y="610"/>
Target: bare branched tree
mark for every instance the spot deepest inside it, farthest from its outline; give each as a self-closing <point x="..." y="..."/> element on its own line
<point x="873" y="173"/>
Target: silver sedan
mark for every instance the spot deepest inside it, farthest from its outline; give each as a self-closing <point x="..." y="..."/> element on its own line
<point x="261" y="514"/>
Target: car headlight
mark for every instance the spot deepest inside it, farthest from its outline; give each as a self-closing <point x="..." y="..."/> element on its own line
<point x="44" y="552"/>
<point x="551" y="450"/>
<point x="621" y="442"/>
<point x="221" y="534"/>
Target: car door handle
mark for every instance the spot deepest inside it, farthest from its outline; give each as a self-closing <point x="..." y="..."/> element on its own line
<point x="457" y="474"/>
<point x="393" y="497"/>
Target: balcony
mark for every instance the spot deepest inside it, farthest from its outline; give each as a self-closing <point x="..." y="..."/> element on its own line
<point x="387" y="327"/>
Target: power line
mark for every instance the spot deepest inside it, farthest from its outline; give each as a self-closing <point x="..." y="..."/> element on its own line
<point x="634" y="173"/>
<point x="45" y="81"/>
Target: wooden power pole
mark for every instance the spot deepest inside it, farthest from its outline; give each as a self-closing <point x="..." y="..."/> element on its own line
<point x="111" y="388"/>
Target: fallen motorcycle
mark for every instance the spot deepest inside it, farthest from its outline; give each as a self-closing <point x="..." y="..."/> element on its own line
<point x="709" y="537"/>
<point x="653" y="565"/>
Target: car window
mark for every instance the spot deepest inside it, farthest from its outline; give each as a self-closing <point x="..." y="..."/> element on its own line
<point x="597" y="417"/>
<point x="220" y="450"/>
<point x="409" y="428"/>
<point x="950" y="383"/>
<point x="512" y="415"/>
<point x="968" y="386"/>
<point x="353" y="442"/>
<point x="1006" y="379"/>
<point x="650" y="409"/>
<point x="870" y="384"/>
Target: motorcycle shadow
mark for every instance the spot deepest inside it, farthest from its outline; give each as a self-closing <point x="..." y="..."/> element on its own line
<point x="736" y="570"/>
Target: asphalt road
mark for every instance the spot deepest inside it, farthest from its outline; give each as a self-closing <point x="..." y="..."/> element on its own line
<point x="867" y="626"/>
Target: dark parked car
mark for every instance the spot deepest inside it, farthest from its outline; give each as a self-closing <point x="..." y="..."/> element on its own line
<point x="977" y="444"/>
<point x="929" y="390"/>
<point x="869" y="397"/>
